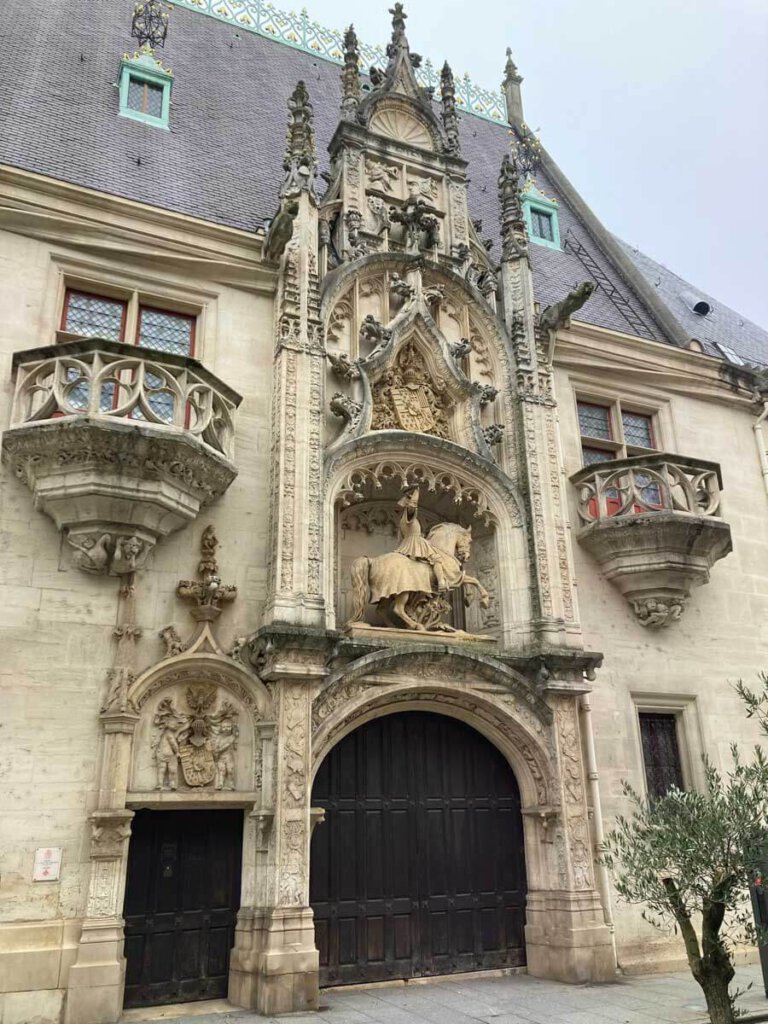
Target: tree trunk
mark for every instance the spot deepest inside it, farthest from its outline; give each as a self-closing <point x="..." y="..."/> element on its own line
<point x="715" y="986"/>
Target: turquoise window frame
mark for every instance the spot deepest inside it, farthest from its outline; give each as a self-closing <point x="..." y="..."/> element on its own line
<point x="147" y="70"/>
<point x="534" y="200"/>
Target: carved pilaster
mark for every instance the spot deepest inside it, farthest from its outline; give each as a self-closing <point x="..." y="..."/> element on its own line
<point x="297" y="410"/>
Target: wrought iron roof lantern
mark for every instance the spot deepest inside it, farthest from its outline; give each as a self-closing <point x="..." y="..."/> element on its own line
<point x="150" y="23"/>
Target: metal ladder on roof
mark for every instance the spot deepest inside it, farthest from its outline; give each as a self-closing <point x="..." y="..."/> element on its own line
<point x="620" y="302"/>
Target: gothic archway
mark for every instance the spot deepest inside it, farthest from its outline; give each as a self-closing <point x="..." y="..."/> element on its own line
<point x="419" y="867"/>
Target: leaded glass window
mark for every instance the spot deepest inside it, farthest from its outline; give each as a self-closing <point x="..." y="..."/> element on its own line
<point x="637" y="429"/>
<point x="166" y="332"/>
<point x="595" y="420"/>
<point x="93" y="316"/>
<point x="145" y="97"/>
<point x="661" y="752"/>
<point x="593" y="455"/>
<point x="541" y="223"/>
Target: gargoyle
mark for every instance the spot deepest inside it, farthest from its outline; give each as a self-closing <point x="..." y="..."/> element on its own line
<point x="459" y="349"/>
<point x="376" y="76"/>
<point x="342" y="367"/>
<point x="487" y="393"/>
<point x="345" y="408"/>
<point x="280" y="232"/>
<point x="558" y="315"/>
<point x="434" y="295"/>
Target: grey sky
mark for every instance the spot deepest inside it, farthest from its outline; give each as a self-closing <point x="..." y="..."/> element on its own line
<point x="655" y="109"/>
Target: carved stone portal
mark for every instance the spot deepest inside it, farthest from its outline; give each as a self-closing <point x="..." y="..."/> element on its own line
<point x="411" y="585"/>
<point x="202" y="740"/>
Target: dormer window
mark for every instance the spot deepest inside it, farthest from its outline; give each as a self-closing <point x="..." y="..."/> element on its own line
<point x="540" y="213"/>
<point x="145" y="89"/>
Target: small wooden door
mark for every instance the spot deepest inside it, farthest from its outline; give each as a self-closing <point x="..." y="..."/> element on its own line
<point x="181" y="900"/>
<point x="419" y="867"/>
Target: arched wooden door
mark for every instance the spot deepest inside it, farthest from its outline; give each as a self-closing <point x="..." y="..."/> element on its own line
<point x="419" y="867"/>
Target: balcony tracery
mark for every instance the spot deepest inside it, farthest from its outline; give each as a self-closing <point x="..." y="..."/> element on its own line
<point x="652" y="522"/>
<point x="119" y="444"/>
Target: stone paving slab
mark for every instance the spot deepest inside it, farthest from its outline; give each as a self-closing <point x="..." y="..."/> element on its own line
<point x="518" y="999"/>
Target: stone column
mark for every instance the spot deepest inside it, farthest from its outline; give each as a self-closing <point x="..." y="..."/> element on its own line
<point x="566" y="935"/>
<point x="96" y="980"/>
<point x="540" y="469"/>
<point x="295" y="538"/>
<point x="274" y="966"/>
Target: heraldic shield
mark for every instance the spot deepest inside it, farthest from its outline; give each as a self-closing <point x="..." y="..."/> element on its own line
<point x="197" y="761"/>
<point x="412" y="408"/>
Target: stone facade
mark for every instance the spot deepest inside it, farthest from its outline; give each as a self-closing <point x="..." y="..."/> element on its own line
<point x="365" y="345"/>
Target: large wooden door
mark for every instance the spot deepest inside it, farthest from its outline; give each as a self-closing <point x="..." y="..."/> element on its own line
<point x="418" y="868"/>
<point x="181" y="901"/>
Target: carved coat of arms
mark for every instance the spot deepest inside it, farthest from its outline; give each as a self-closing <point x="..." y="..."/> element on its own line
<point x="202" y="741"/>
<point x="407" y="398"/>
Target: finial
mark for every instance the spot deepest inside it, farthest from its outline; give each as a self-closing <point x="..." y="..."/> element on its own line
<point x="150" y="23"/>
<point x="350" y="76"/>
<point x="511" y="88"/>
<point x="398" y="22"/>
<point x="300" y="159"/>
<point x="450" y="117"/>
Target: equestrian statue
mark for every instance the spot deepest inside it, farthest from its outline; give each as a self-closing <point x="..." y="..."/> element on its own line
<point x="413" y="582"/>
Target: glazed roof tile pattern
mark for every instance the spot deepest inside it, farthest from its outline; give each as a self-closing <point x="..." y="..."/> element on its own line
<point x="221" y="160"/>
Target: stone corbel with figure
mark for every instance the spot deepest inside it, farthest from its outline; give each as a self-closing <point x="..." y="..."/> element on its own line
<point x="412" y="585"/>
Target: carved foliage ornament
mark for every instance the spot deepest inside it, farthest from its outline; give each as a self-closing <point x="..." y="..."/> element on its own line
<point x="203" y="740"/>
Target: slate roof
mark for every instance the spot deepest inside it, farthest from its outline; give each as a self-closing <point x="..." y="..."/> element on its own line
<point x="222" y="158"/>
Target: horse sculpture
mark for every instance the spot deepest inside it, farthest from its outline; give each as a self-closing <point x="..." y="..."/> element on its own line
<point x="414" y="588"/>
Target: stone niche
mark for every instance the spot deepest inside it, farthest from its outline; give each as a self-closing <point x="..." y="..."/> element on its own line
<point x="369" y="528"/>
<point x="194" y="738"/>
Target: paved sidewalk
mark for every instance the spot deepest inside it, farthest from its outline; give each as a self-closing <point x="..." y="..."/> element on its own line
<point x="518" y="999"/>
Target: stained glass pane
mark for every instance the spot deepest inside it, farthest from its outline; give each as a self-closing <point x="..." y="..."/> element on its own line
<point x="93" y="315"/>
<point x="592" y="455"/>
<point x="78" y="395"/>
<point x="637" y="429"/>
<point x="594" y="420"/>
<point x="661" y="753"/>
<point x="167" y="332"/>
<point x="542" y="225"/>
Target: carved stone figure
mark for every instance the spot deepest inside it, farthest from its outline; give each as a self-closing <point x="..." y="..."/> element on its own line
<point x="224" y="745"/>
<point x="280" y="232"/>
<point x="459" y="349"/>
<point x="417" y="220"/>
<point x="92" y="552"/>
<point x="381" y="174"/>
<point x="401" y="288"/>
<point x="487" y="393"/>
<point x="166" y="745"/>
<point x="128" y="552"/>
<point x="342" y="367"/>
<point x="656" y="612"/>
<point x="558" y="315"/>
<point x="380" y="214"/>
<point x="411" y="582"/>
<point x="173" y="642"/>
<point x="434" y="296"/>
<point x="374" y="333"/>
<point x="408" y="398"/>
<point x="345" y="408"/>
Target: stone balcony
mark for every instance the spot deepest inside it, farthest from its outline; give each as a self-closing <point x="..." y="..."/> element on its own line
<point x="119" y="444"/>
<point x="652" y="523"/>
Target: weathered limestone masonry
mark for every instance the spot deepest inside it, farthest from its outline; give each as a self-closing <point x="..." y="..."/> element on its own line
<point x="361" y="498"/>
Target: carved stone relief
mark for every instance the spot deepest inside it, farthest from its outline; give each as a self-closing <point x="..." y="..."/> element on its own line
<point x="572" y="781"/>
<point x="408" y="398"/>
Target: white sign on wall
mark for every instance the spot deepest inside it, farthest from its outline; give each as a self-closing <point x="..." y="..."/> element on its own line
<point x="47" y="867"/>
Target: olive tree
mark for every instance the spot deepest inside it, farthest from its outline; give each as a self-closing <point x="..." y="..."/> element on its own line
<point x="690" y="857"/>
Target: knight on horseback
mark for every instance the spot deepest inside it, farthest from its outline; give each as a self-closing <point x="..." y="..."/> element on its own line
<point x="413" y="544"/>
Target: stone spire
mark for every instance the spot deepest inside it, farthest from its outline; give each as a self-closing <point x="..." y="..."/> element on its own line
<point x="300" y="159"/>
<point x="350" y="76"/>
<point x="514" y="240"/>
<point x="511" y="87"/>
<point x="450" y="117"/>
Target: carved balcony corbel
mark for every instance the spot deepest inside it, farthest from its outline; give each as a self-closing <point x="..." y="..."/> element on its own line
<point x="652" y="522"/>
<point x="119" y="444"/>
